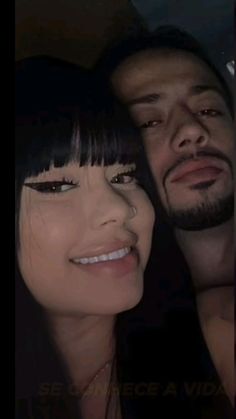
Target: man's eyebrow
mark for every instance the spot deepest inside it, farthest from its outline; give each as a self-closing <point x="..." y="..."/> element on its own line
<point x="202" y="88"/>
<point x="145" y="99"/>
<point x="194" y="90"/>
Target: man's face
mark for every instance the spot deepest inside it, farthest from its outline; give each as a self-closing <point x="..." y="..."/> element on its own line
<point x="179" y="105"/>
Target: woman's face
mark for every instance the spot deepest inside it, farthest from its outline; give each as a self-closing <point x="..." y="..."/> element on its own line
<point x="83" y="247"/>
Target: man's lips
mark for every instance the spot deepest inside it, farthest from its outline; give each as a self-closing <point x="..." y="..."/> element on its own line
<point x="204" y="169"/>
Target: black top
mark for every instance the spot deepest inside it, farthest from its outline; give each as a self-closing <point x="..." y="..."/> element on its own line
<point x="169" y="373"/>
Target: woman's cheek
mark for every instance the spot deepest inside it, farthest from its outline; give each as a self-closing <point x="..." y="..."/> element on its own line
<point x="46" y="232"/>
<point x="144" y="223"/>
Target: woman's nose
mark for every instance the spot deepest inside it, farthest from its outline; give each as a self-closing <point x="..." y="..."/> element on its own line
<point x="111" y="207"/>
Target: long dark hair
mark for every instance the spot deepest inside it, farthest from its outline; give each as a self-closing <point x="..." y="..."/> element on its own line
<point x="58" y="119"/>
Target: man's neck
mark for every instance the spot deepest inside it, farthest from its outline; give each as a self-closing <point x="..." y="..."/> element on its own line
<point x="210" y="257"/>
<point x="209" y="254"/>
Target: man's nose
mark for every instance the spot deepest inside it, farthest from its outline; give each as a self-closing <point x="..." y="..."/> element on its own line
<point x="189" y="133"/>
<point x="111" y="207"/>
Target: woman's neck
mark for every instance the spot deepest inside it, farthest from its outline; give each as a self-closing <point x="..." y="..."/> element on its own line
<point x="85" y="344"/>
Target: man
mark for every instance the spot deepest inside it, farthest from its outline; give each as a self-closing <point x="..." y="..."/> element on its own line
<point x="184" y="109"/>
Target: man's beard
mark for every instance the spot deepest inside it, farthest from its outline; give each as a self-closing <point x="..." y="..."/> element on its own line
<point x="204" y="216"/>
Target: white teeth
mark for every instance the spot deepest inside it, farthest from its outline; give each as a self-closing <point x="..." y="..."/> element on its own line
<point x="83" y="261"/>
<point x="103" y="258"/>
<point x="118" y="254"/>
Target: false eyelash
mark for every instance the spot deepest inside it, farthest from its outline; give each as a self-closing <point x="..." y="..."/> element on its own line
<point x="129" y="172"/>
<point x="44" y="186"/>
<point x="136" y="175"/>
<point x="133" y="173"/>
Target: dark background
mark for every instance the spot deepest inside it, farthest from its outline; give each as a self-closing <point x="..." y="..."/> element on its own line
<point x="77" y="30"/>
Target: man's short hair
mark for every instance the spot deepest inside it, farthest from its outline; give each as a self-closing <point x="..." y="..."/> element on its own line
<point x="165" y="37"/>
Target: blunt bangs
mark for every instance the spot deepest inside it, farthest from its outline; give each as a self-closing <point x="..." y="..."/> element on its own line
<point x="106" y="137"/>
<point x="63" y="120"/>
<point x="102" y="137"/>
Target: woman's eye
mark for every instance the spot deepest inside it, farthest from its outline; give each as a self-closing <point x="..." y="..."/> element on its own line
<point x="52" y="186"/>
<point x="125" y="178"/>
<point x="150" y="124"/>
<point x="210" y="112"/>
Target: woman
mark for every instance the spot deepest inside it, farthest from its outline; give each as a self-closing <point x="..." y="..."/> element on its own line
<point x="83" y="227"/>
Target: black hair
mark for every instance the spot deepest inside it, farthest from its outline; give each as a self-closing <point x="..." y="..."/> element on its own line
<point x="59" y="118"/>
<point x="164" y="37"/>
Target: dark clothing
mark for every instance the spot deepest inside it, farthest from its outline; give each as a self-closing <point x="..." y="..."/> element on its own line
<point x="166" y="373"/>
<point x="171" y="374"/>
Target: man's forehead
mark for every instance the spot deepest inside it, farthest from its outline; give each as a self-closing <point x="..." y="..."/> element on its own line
<point x="160" y="58"/>
<point x="160" y="66"/>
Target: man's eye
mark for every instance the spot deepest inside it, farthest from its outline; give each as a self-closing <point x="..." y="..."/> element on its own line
<point x="125" y="177"/>
<point x="52" y="186"/>
<point x="150" y="124"/>
<point x="210" y="112"/>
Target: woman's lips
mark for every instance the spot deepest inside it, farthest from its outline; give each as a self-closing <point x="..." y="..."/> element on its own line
<point x="113" y="268"/>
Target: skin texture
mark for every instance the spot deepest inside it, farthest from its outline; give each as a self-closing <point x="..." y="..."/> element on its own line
<point x="90" y="217"/>
<point x="188" y="132"/>
<point x="87" y="211"/>
<point x="178" y="122"/>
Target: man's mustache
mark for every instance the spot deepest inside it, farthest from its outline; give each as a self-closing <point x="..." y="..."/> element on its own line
<point x="207" y="152"/>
